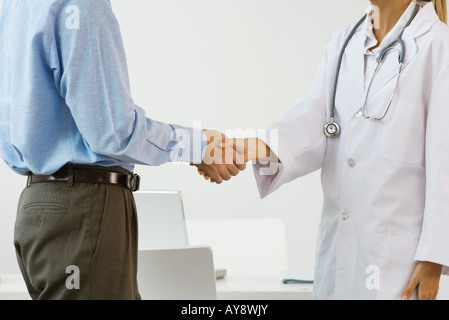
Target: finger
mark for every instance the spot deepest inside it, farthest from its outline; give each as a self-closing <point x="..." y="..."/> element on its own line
<point x="232" y="157"/>
<point x="208" y="178"/>
<point x="229" y="164"/>
<point x="425" y="295"/>
<point x="239" y="161"/>
<point x="228" y="156"/>
<point x="239" y="145"/>
<point x="216" y="177"/>
<point x="213" y="174"/>
<point x="427" y="291"/>
<point x="233" y="163"/>
<point x="233" y="170"/>
<point x="408" y="292"/>
<point x="201" y="171"/>
<point x="225" y="174"/>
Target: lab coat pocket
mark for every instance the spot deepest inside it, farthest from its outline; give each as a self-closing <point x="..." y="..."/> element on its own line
<point x="396" y="265"/>
<point x="403" y="134"/>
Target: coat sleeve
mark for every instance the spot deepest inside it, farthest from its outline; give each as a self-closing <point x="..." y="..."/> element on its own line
<point x="297" y="139"/>
<point x="434" y="241"/>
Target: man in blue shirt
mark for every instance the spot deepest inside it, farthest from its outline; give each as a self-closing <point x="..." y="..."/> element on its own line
<point x="68" y="122"/>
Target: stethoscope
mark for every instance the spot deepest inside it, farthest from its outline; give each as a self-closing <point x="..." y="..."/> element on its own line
<point x="332" y="129"/>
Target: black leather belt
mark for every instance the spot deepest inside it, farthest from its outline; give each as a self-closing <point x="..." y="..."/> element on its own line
<point x="72" y="174"/>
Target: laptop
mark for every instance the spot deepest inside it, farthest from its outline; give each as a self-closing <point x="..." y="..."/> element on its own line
<point x="162" y="222"/>
<point x="177" y="274"/>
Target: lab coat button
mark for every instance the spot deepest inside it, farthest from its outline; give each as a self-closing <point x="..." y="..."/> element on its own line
<point x="344" y="216"/>
<point x="358" y="114"/>
<point x="351" y="163"/>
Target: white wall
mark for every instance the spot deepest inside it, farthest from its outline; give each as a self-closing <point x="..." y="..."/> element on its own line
<point x="234" y="64"/>
<point x="231" y="65"/>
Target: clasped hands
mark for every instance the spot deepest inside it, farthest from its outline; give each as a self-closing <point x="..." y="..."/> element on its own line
<point x="226" y="158"/>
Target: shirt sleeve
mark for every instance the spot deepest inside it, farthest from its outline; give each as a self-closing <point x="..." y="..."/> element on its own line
<point x="434" y="241"/>
<point x="89" y="65"/>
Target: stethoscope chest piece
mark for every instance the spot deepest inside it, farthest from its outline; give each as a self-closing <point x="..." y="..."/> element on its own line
<point x="331" y="129"/>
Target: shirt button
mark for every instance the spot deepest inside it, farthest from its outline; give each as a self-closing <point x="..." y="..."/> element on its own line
<point x="344" y="216"/>
<point x="351" y="163"/>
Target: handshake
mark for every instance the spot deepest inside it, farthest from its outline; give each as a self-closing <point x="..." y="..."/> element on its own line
<point x="226" y="158"/>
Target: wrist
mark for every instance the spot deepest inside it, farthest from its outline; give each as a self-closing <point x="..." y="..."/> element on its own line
<point x="252" y="149"/>
<point x="432" y="267"/>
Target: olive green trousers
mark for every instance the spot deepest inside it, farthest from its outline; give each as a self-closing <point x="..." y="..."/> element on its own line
<point x="77" y="242"/>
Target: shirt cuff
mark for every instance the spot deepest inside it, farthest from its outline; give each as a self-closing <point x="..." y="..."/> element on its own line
<point x="190" y="145"/>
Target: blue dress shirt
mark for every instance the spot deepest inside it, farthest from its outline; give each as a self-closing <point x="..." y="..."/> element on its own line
<point x="65" y="96"/>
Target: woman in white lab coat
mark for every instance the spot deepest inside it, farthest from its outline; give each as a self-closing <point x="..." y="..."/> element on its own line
<point x="384" y="231"/>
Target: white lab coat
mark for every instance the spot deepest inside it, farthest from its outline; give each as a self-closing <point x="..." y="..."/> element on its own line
<point x="385" y="183"/>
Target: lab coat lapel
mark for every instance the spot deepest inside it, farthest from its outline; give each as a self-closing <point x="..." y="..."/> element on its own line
<point x="355" y="60"/>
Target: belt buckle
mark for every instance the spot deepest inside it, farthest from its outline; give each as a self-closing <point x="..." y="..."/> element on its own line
<point x="133" y="182"/>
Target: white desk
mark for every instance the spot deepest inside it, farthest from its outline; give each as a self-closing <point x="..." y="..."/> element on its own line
<point x="12" y="287"/>
<point x="261" y="288"/>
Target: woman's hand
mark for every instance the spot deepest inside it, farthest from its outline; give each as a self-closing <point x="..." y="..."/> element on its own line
<point x="252" y="149"/>
<point x="426" y="280"/>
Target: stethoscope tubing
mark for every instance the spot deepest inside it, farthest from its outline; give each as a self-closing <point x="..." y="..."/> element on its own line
<point x="340" y="61"/>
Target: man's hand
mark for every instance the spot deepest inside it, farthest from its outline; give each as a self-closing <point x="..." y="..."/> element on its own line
<point x="221" y="161"/>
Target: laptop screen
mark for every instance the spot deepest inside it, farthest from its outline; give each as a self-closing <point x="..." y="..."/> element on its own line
<point x="161" y="219"/>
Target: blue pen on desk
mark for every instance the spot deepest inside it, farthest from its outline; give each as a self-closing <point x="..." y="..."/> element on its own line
<point x="290" y="281"/>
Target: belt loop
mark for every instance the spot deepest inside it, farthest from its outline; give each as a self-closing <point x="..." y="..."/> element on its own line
<point x="70" y="176"/>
